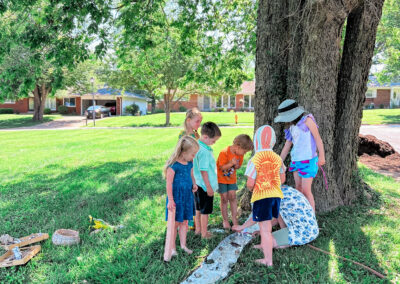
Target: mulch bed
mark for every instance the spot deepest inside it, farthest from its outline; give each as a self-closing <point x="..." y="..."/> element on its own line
<point x="379" y="156"/>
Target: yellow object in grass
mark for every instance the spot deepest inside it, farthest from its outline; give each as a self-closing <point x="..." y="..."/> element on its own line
<point x="99" y="224"/>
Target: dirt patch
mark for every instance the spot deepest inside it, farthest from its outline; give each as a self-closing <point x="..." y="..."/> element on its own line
<point x="379" y="156"/>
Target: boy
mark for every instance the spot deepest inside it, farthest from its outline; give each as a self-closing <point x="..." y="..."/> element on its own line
<point x="266" y="173"/>
<point x="229" y="160"/>
<point x="205" y="174"/>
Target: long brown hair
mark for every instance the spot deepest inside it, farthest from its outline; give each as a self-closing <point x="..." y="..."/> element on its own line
<point x="185" y="144"/>
<point x="190" y="114"/>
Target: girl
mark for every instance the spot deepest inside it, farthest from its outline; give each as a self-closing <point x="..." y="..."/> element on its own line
<point x="303" y="134"/>
<point x="180" y="184"/>
<point x="192" y="123"/>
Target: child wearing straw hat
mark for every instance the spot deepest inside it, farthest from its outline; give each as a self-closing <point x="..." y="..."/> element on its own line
<point x="301" y="133"/>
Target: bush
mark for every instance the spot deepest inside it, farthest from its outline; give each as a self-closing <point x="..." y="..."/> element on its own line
<point x="47" y="111"/>
<point x="182" y="109"/>
<point x="62" y="109"/>
<point x="6" y="111"/>
<point x="133" y="109"/>
<point x="159" y="110"/>
<point x="381" y="106"/>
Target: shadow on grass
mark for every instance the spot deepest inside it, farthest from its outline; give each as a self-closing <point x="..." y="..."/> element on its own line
<point x="389" y="119"/>
<point x="21" y="122"/>
<point x="341" y="233"/>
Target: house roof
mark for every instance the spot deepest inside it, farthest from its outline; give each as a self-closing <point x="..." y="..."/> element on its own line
<point x="115" y="92"/>
<point x="373" y="83"/>
<point x="248" y="88"/>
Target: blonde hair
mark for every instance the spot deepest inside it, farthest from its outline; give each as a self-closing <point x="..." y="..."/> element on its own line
<point x="185" y="144"/>
<point x="190" y="114"/>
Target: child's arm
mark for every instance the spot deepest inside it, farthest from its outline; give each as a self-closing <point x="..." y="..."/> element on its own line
<point x="283" y="178"/>
<point x="250" y="183"/>
<point x="320" y="146"/>
<point x="282" y="173"/>
<point x="228" y="165"/>
<point x="286" y="149"/>
<point x="204" y="175"/>
<point x="170" y="179"/>
<point x="195" y="187"/>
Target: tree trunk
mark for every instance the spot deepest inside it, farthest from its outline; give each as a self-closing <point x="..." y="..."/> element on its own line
<point x="298" y="56"/>
<point x="39" y="100"/>
<point x="153" y="103"/>
<point x="167" y="108"/>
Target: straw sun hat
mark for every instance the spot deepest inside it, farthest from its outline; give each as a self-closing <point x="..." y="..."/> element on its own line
<point x="288" y="111"/>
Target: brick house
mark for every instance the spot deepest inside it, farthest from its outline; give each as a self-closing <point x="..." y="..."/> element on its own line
<point x="243" y="100"/>
<point x="382" y="95"/>
<point x="77" y="104"/>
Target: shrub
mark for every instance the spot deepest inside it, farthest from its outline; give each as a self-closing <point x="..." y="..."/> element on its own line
<point x="6" y="111"/>
<point x="159" y="110"/>
<point x="133" y="109"/>
<point x="182" y="109"/>
<point x="62" y="109"/>
<point x="47" y="110"/>
<point x="381" y="106"/>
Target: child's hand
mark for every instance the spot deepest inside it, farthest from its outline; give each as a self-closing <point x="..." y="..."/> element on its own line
<point x="237" y="228"/>
<point x="171" y="205"/>
<point x="195" y="187"/>
<point x="235" y="163"/>
<point x="321" y="161"/>
<point x="210" y="192"/>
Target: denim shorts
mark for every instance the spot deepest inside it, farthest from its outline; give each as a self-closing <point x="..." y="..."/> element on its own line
<point x="224" y="187"/>
<point x="306" y="169"/>
<point x="266" y="209"/>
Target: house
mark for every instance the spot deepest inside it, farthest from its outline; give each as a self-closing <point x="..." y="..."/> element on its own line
<point x="77" y="104"/>
<point x="385" y="95"/>
<point x="243" y="100"/>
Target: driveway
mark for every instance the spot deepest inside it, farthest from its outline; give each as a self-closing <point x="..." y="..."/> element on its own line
<point x="388" y="132"/>
<point x="66" y="122"/>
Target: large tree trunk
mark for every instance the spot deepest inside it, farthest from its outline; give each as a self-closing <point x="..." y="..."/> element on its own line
<point x="298" y="56"/>
<point x="40" y="94"/>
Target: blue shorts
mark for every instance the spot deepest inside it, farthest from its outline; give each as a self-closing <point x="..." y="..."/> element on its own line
<point x="224" y="187"/>
<point x="266" y="209"/>
<point x="306" y="169"/>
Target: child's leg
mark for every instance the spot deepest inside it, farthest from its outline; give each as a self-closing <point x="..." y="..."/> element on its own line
<point x="197" y="223"/>
<point x="233" y="203"/>
<point x="266" y="242"/>
<point x="170" y="235"/>
<point x="204" y="223"/>
<point x="182" y="236"/>
<point x="281" y="222"/>
<point x="173" y="241"/>
<point x="306" y="186"/>
<point x="224" y="210"/>
<point x="297" y="181"/>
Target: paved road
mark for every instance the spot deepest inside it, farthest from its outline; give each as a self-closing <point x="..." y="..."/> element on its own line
<point x="389" y="133"/>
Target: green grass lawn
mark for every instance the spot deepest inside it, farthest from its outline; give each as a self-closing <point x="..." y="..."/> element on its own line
<point x="381" y="116"/>
<point x="55" y="179"/>
<point x="22" y="120"/>
<point x="177" y="118"/>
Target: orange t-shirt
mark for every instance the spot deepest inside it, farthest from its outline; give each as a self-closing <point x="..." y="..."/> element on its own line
<point x="225" y="156"/>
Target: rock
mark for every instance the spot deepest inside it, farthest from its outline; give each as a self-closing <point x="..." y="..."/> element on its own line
<point x="65" y="237"/>
<point x="369" y="144"/>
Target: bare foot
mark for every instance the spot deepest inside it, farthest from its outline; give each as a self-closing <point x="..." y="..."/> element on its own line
<point x="188" y="251"/>
<point x="197" y="232"/>
<point x="226" y="225"/>
<point x="257" y="247"/>
<point x="263" y="262"/>
<point x="174" y="253"/>
<point x="167" y="258"/>
<point x="207" y="236"/>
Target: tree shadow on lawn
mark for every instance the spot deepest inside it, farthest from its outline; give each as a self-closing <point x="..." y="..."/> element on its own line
<point x="22" y="122"/>
<point x="341" y="233"/>
<point x="131" y="193"/>
<point x="389" y="119"/>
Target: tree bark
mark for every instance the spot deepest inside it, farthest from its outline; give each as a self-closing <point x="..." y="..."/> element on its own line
<point x="298" y="56"/>
<point x="40" y="94"/>
<point x="167" y="107"/>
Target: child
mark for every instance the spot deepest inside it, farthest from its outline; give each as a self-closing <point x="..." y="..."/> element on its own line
<point x="229" y="160"/>
<point x="303" y="134"/>
<point x="205" y="173"/>
<point x="192" y="123"/>
<point x="180" y="183"/>
<point x="265" y="173"/>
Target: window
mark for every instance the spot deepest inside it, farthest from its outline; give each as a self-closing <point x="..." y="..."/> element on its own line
<point x="370" y="94"/>
<point x="218" y="102"/>
<point x="232" y="101"/>
<point x="51" y="103"/>
<point x="69" y="102"/>
<point x="9" y="101"/>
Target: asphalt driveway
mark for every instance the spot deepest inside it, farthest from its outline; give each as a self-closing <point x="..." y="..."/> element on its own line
<point x="388" y="132"/>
